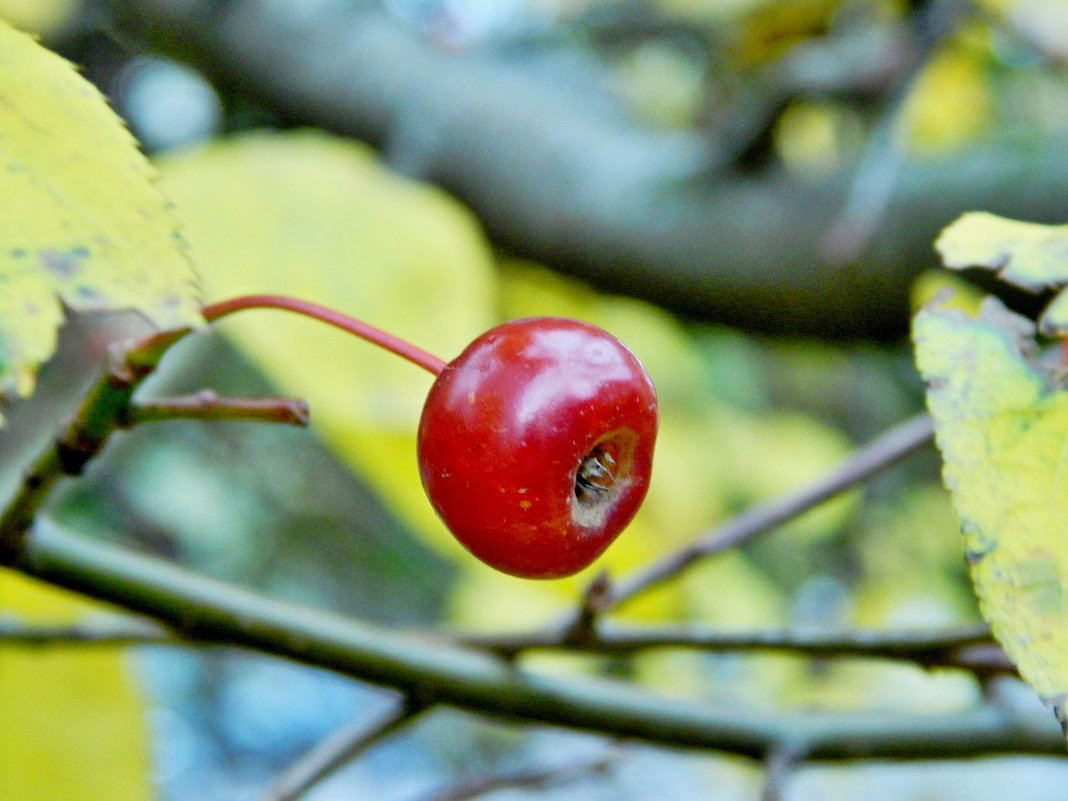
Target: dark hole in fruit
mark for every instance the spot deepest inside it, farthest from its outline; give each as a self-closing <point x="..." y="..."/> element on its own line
<point x="596" y="475"/>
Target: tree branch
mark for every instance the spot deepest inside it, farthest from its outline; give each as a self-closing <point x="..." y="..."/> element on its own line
<point x="205" y="609"/>
<point x="433" y="673"/>
<point x="98" y="415"/>
<point x="927" y="647"/>
<point x="340" y="748"/>
<point x="559" y="175"/>
<point x="109" y="630"/>
<point x="965" y="647"/>
<point x="531" y="779"/>
<point x="206" y="405"/>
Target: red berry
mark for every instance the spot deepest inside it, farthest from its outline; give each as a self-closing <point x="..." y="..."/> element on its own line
<point x="536" y="445"/>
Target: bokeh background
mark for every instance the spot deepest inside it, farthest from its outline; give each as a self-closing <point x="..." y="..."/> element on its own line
<point x="761" y="389"/>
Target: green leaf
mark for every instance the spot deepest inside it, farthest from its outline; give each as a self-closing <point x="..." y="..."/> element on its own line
<point x="1027" y="255"/>
<point x="1001" y="421"/>
<point x="83" y="224"/>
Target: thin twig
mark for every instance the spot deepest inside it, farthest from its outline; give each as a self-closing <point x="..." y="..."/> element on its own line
<point x="531" y="779"/>
<point x="959" y="646"/>
<point x="107" y="630"/>
<point x="965" y="647"/>
<point x="882" y="452"/>
<point x="435" y="673"/>
<point x="595" y="602"/>
<point x="207" y="405"/>
<point x="339" y="748"/>
<point x="778" y="766"/>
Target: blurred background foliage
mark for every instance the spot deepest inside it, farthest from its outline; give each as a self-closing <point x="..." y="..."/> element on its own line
<point x="334" y="516"/>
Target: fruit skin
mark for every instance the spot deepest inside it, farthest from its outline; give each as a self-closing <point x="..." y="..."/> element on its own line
<point x="506" y="429"/>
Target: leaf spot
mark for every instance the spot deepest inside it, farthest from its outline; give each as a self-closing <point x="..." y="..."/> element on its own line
<point x="62" y="265"/>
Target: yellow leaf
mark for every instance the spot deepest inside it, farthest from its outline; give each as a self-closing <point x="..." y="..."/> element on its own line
<point x="72" y="723"/>
<point x="815" y="139"/>
<point x="317" y="217"/>
<point x="1028" y="255"/>
<point x="953" y="290"/>
<point x="28" y="299"/>
<point x="83" y="224"/>
<point x="38" y="16"/>
<point x="769" y="29"/>
<point x="950" y="103"/>
<point x="1002" y="426"/>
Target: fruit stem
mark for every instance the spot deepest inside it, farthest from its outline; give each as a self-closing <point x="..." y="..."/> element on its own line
<point x="376" y="336"/>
